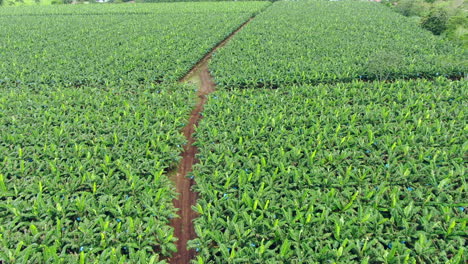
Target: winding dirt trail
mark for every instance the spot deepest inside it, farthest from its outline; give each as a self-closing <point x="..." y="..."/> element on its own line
<point x="183" y="226"/>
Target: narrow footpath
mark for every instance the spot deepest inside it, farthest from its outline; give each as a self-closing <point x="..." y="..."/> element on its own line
<point x="183" y="225"/>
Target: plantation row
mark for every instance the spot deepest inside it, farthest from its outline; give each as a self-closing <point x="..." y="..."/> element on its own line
<point x="87" y="136"/>
<point x="161" y="8"/>
<point x="108" y="49"/>
<point x="91" y="119"/>
<point x="295" y="43"/>
<point x="346" y="173"/>
<point x="83" y="171"/>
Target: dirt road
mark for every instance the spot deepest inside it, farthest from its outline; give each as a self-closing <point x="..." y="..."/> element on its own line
<point x="183" y="225"/>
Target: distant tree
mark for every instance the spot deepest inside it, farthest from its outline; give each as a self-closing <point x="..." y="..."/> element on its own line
<point x="436" y="21"/>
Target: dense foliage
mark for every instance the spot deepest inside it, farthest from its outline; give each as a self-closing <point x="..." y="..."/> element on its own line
<point x="155" y="9"/>
<point x="357" y="172"/>
<point x="100" y="45"/>
<point x="450" y="16"/>
<point x="82" y="172"/>
<point x="55" y="2"/>
<point x="322" y="41"/>
<point x="87" y="135"/>
<point x="349" y="173"/>
<point x="161" y="1"/>
<point x="436" y="21"/>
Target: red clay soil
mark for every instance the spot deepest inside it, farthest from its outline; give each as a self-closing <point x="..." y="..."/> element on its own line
<point x="183" y="225"/>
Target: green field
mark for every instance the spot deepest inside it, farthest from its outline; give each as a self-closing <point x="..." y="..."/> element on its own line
<point x="83" y="170"/>
<point x="90" y="120"/>
<point x="355" y="40"/>
<point x="27" y="2"/>
<point x="337" y="134"/>
<point x="119" y="45"/>
<point x="347" y="173"/>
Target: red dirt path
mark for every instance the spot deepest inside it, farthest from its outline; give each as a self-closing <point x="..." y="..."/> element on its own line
<point x="183" y="226"/>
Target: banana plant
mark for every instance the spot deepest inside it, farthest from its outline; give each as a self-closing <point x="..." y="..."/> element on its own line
<point x="295" y="191"/>
<point x="83" y="191"/>
<point x="311" y="42"/>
